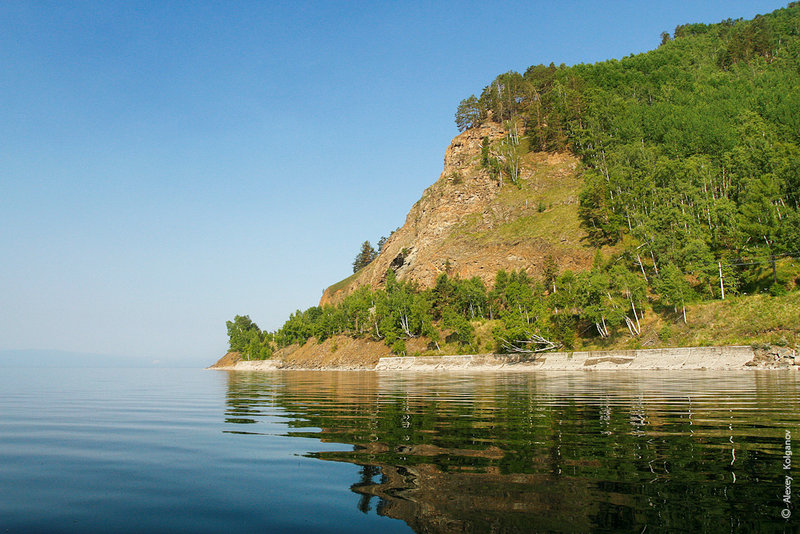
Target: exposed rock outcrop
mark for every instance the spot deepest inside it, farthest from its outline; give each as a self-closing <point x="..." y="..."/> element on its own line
<point x="774" y="356"/>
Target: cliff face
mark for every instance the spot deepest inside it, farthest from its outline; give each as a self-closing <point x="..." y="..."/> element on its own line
<point x="470" y="224"/>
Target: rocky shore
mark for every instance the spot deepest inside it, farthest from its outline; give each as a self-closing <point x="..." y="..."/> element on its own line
<point x="692" y="358"/>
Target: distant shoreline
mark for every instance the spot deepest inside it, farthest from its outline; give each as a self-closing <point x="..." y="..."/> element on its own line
<point x="684" y="358"/>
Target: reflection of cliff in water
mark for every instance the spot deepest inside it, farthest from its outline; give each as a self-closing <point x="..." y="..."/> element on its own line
<point x="557" y="452"/>
<point x="432" y="500"/>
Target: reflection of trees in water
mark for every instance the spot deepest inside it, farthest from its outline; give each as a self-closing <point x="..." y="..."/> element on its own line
<point x="543" y="452"/>
<point x="368" y="472"/>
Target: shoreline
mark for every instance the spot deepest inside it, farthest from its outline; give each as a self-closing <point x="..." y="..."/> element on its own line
<point x="725" y="358"/>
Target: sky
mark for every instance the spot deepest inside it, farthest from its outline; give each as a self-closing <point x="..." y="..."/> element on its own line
<point x="165" y="166"/>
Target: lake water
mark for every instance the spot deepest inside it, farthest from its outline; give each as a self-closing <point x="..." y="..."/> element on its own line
<point x="154" y="450"/>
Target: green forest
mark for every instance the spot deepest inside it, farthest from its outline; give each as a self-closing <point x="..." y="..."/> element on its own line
<point x="691" y="171"/>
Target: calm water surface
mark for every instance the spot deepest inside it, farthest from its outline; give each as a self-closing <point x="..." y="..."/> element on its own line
<point x="198" y="451"/>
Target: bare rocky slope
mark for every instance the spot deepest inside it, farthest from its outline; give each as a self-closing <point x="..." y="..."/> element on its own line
<point x="470" y="224"/>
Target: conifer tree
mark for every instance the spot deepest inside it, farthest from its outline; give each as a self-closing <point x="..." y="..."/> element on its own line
<point x="364" y="257"/>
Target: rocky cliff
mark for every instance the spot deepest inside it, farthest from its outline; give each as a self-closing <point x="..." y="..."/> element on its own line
<point x="470" y="224"/>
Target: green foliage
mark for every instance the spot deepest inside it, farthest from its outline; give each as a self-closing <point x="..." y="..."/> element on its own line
<point x="468" y="114"/>
<point x="674" y="289"/>
<point x="364" y="256"/>
<point x="246" y="338"/>
<point x="520" y="311"/>
<point x="549" y="272"/>
<point x="563" y="330"/>
<point x="777" y="290"/>
<point x="692" y="149"/>
<point x="510" y="154"/>
<point x="399" y="347"/>
<point x="463" y="331"/>
<point x="746" y="41"/>
<point x="665" y="333"/>
<point x="489" y="160"/>
<point x="238" y="332"/>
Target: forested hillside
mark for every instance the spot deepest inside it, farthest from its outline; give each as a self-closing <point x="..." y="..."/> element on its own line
<point x="692" y="148"/>
<point x="691" y="183"/>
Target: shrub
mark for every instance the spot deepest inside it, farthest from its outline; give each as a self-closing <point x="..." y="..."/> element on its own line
<point x="665" y="333"/>
<point x="399" y="347"/>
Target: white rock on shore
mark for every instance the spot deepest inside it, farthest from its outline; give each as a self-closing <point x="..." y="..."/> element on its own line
<point x="696" y="358"/>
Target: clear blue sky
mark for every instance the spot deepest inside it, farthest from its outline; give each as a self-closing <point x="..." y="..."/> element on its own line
<point x="167" y="165"/>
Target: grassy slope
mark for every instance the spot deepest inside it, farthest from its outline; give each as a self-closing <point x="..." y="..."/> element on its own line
<point x="551" y="186"/>
<point x="741" y="320"/>
<point x="343" y="283"/>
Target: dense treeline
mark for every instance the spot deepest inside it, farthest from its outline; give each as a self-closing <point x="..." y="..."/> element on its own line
<point x="692" y="173"/>
<point x="692" y="150"/>
<point x="245" y="337"/>
<point x="525" y="314"/>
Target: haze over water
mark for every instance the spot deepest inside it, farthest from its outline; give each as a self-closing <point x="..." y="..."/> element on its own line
<point x="184" y="450"/>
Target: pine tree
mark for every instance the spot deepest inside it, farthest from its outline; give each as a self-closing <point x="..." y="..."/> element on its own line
<point x="364" y="257"/>
<point x="468" y="114"/>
